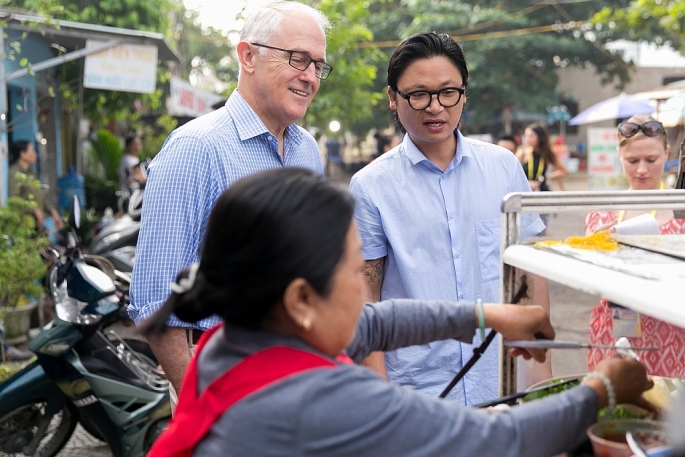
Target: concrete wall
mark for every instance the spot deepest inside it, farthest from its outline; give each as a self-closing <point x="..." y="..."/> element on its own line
<point x="584" y="85"/>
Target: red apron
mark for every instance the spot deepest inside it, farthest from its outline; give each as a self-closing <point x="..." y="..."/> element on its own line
<point x="195" y="415"/>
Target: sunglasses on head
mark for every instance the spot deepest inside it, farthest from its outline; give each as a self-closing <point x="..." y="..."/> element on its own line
<point x="649" y="128"/>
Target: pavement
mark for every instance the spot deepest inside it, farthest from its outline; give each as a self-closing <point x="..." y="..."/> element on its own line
<point x="82" y="444"/>
<point x="570" y="313"/>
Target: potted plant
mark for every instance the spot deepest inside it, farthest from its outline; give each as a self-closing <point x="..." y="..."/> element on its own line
<point x="21" y="264"/>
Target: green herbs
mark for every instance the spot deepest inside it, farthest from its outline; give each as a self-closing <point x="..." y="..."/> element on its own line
<point x="558" y="385"/>
<point x="624" y="412"/>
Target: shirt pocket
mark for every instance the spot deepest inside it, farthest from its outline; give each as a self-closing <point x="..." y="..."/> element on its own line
<point x="488" y="240"/>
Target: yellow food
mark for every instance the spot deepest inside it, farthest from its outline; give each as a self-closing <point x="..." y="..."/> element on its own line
<point x="659" y="395"/>
<point x="600" y="241"/>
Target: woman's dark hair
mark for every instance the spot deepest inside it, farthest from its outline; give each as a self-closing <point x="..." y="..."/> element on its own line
<point x="423" y="46"/>
<point x="17" y="148"/>
<point x="264" y="231"/>
<point x="544" y="146"/>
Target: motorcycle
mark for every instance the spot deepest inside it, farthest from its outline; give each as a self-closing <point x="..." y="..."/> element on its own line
<point x="117" y="240"/>
<point x="84" y="372"/>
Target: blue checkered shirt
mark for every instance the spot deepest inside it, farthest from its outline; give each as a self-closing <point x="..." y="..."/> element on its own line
<point x="196" y="164"/>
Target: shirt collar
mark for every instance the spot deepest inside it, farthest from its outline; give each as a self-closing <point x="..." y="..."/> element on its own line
<point x="23" y="169"/>
<point x="416" y="156"/>
<point x="249" y="124"/>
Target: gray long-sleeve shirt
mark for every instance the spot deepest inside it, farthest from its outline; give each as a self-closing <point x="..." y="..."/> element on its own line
<point x="350" y="411"/>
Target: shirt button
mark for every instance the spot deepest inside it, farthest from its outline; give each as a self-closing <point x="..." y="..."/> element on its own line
<point x="451" y="215"/>
<point x="462" y="296"/>
<point x="456" y="255"/>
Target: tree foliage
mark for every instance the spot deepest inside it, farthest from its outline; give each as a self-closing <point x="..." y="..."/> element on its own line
<point x="207" y="52"/>
<point x="657" y="21"/>
<point x="347" y="95"/>
<point x="513" y="47"/>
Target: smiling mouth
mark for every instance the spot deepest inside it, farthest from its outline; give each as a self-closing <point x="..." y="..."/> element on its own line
<point x="299" y="92"/>
<point x="434" y="124"/>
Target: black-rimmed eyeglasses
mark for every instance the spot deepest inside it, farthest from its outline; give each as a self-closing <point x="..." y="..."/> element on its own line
<point x="301" y="61"/>
<point x="421" y="99"/>
<point x="649" y="128"/>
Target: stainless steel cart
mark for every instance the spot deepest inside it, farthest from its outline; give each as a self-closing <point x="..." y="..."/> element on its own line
<point x="651" y="282"/>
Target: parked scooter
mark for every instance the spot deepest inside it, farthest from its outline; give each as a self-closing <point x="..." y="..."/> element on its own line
<point x="83" y="372"/>
<point x="117" y="241"/>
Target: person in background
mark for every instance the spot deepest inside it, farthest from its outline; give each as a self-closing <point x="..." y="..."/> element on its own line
<point x="539" y="162"/>
<point x="335" y="164"/>
<point x="643" y="150"/>
<point x="278" y="379"/>
<point x="382" y="144"/>
<point x="428" y="213"/>
<point x="508" y="142"/>
<point x="23" y="158"/>
<point x="131" y="177"/>
<point x="538" y="159"/>
<point x="282" y="56"/>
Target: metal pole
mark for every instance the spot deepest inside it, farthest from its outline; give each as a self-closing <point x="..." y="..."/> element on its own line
<point x="62" y="59"/>
<point x="4" y="163"/>
<point x="79" y="116"/>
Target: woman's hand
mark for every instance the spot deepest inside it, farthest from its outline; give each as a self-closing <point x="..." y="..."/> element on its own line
<point x="517" y="322"/>
<point x="534" y="184"/>
<point x="629" y="378"/>
<point x="608" y="226"/>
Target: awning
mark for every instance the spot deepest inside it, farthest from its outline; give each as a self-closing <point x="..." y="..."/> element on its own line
<point x="73" y="35"/>
<point x="663" y="92"/>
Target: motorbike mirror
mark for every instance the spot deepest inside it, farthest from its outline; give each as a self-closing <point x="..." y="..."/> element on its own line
<point x="75" y="213"/>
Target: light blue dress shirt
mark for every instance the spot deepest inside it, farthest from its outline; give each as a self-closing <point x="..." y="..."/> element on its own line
<point x="196" y="164"/>
<point x="440" y="232"/>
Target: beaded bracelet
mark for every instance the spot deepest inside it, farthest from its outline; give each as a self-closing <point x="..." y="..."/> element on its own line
<point x="611" y="393"/>
<point x="481" y="318"/>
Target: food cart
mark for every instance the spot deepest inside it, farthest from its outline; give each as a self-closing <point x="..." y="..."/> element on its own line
<point x="647" y="274"/>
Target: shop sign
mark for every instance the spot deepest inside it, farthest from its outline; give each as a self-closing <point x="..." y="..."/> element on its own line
<point x="125" y="68"/>
<point x="604" y="168"/>
<point x="187" y="100"/>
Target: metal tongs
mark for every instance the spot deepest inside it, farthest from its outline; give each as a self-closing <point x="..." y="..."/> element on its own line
<point x="553" y="344"/>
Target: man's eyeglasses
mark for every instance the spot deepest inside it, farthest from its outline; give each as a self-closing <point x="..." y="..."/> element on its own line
<point x="301" y="61"/>
<point x="649" y="128"/>
<point x="421" y="99"/>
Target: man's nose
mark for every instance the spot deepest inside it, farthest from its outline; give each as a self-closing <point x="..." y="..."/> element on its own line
<point x="310" y="73"/>
<point x="435" y="106"/>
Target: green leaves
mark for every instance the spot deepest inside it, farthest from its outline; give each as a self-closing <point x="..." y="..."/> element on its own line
<point x="108" y="150"/>
<point x="657" y="21"/>
<point x="348" y="95"/>
<point x="20" y="247"/>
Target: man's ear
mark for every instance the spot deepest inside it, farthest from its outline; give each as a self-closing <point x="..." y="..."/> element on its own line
<point x="392" y="99"/>
<point x="246" y="55"/>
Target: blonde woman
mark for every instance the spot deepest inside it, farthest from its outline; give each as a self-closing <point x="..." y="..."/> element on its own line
<point x="643" y="150"/>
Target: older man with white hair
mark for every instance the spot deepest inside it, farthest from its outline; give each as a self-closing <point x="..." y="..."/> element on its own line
<point x="282" y="54"/>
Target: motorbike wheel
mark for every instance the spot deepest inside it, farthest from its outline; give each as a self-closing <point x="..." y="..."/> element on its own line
<point x="17" y="429"/>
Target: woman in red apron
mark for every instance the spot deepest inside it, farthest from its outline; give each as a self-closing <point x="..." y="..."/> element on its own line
<point x="643" y="150"/>
<point x="282" y="266"/>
